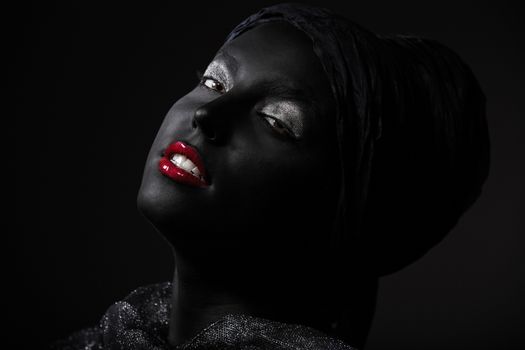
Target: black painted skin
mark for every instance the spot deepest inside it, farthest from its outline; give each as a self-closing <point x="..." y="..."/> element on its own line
<point x="255" y="240"/>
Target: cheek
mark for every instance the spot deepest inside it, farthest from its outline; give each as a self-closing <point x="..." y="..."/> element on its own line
<point x="283" y="195"/>
<point x="157" y="196"/>
<point x="177" y="122"/>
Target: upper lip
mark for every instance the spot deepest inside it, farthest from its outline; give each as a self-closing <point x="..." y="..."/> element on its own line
<point x="180" y="147"/>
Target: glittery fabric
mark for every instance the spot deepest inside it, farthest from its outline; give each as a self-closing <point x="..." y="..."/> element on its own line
<point x="140" y="322"/>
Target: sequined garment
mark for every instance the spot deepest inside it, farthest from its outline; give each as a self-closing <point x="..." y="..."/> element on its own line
<point x="140" y="322"/>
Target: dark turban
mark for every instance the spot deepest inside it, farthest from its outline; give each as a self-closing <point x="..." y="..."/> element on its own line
<point x="411" y="130"/>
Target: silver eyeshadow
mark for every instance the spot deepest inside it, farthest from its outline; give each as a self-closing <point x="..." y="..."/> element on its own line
<point x="218" y="71"/>
<point x="288" y="113"/>
<point x="285" y="111"/>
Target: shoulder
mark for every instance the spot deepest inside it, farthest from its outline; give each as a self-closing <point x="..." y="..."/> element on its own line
<point x="141" y="316"/>
<point x="236" y="331"/>
<point x="140" y="321"/>
<point x="86" y="339"/>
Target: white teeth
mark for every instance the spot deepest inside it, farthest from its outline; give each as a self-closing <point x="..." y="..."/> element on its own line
<point x="179" y="158"/>
<point x="184" y="163"/>
<point x="187" y="165"/>
<point x="195" y="171"/>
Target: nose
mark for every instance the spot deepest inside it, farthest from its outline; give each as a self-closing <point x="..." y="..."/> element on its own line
<point x="215" y="119"/>
<point x="204" y="121"/>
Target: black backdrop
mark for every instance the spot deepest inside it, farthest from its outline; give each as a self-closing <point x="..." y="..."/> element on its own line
<point x="93" y="83"/>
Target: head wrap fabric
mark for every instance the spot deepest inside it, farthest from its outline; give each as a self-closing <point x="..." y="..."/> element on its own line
<point x="387" y="88"/>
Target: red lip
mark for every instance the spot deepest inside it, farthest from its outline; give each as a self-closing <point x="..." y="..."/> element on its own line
<point x="176" y="173"/>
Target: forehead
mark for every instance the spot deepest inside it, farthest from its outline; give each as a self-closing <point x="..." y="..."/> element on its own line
<point x="277" y="51"/>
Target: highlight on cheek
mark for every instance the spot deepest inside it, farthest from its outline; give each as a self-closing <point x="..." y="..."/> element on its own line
<point x="288" y="113"/>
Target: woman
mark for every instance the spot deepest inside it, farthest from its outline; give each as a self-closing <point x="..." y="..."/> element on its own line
<point x="312" y="157"/>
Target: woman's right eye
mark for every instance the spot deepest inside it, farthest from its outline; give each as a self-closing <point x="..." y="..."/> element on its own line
<point x="213" y="84"/>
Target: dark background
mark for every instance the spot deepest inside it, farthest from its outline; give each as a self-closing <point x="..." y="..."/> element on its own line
<point x="93" y="83"/>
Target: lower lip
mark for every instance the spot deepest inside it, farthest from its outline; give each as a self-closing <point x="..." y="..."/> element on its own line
<point x="167" y="168"/>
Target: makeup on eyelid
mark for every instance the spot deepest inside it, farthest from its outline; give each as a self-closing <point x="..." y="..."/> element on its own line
<point x="287" y="112"/>
<point x="217" y="70"/>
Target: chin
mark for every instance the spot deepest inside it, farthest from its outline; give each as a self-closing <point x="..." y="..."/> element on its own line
<point x="155" y="201"/>
<point x="171" y="210"/>
<point x="149" y="203"/>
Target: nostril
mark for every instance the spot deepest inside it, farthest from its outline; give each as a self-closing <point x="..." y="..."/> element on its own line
<point x="203" y="121"/>
<point x="207" y="130"/>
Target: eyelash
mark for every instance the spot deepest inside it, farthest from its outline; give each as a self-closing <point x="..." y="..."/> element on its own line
<point x="267" y="118"/>
<point x="203" y="79"/>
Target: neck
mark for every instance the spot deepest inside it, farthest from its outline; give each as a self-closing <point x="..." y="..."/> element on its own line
<point x="207" y="288"/>
<point x="203" y="295"/>
<point x="195" y="305"/>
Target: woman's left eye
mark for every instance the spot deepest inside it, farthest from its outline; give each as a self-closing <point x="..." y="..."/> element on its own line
<point x="278" y="126"/>
<point x="213" y="84"/>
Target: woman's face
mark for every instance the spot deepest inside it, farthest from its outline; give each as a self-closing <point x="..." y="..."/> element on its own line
<point x="262" y="121"/>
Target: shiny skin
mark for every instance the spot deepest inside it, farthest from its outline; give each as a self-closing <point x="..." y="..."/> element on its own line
<point x="265" y="189"/>
<point x="255" y="241"/>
